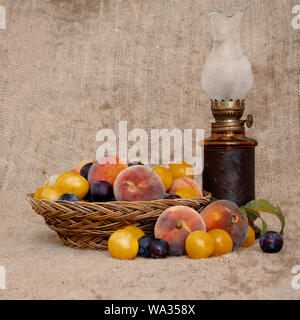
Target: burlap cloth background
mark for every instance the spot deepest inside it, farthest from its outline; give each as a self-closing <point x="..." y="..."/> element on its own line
<point x="70" y="68"/>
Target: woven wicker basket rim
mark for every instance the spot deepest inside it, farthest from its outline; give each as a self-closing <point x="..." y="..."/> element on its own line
<point x="89" y="224"/>
<point x="206" y="196"/>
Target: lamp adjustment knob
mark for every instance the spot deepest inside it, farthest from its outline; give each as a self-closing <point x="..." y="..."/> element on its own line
<point x="249" y="121"/>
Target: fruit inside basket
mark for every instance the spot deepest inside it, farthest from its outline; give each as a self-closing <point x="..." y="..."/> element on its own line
<point x="87" y="204"/>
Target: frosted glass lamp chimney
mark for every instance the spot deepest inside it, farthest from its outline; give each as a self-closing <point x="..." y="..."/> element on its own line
<point x="227" y="72"/>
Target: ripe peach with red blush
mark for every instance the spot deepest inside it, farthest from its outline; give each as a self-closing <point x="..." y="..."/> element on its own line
<point x="175" y="224"/>
<point x="138" y="183"/>
<point x="183" y="183"/>
<point x="226" y="215"/>
<point x="107" y="168"/>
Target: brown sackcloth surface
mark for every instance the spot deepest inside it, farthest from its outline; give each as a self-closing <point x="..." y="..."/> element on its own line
<point x="70" y="68"/>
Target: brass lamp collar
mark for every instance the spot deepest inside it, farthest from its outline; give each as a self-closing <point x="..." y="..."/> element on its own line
<point x="228" y="116"/>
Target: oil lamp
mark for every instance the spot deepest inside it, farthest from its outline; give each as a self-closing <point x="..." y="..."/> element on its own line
<point x="229" y="163"/>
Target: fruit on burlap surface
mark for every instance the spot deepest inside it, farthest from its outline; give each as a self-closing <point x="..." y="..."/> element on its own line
<point x="136" y="231"/>
<point x="175" y="224"/>
<point x="199" y="244"/>
<point x="122" y="244"/>
<point x="222" y="241"/>
<point x="249" y="238"/>
<point x="226" y="215"/>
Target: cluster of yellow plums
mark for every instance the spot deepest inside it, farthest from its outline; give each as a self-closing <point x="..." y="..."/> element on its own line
<point x="216" y="242"/>
<point x="125" y="243"/>
<point x="67" y="182"/>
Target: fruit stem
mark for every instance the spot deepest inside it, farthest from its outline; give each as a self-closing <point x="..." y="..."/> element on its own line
<point x="178" y="224"/>
<point x="234" y="219"/>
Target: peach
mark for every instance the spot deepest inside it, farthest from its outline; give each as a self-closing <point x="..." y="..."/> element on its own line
<point x="79" y="165"/>
<point x="226" y="215"/>
<point x="107" y="168"/>
<point x="138" y="183"/>
<point x="175" y="224"/>
<point x="183" y="183"/>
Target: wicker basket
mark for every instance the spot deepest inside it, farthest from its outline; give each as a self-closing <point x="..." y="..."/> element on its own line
<point x="89" y="224"/>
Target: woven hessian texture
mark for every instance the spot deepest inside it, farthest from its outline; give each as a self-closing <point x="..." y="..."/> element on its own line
<point x="71" y="67"/>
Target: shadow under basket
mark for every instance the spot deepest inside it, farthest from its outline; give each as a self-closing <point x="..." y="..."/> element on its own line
<point x="89" y="224"/>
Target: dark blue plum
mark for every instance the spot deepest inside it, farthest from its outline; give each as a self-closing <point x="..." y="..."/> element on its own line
<point x="144" y="246"/>
<point x="68" y="197"/>
<point x="102" y="190"/>
<point x="135" y="163"/>
<point x="172" y="196"/>
<point x="271" y="242"/>
<point x="84" y="171"/>
<point x="159" y="248"/>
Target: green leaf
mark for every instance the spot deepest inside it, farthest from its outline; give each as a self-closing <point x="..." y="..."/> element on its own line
<point x="253" y="215"/>
<point x="265" y="206"/>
